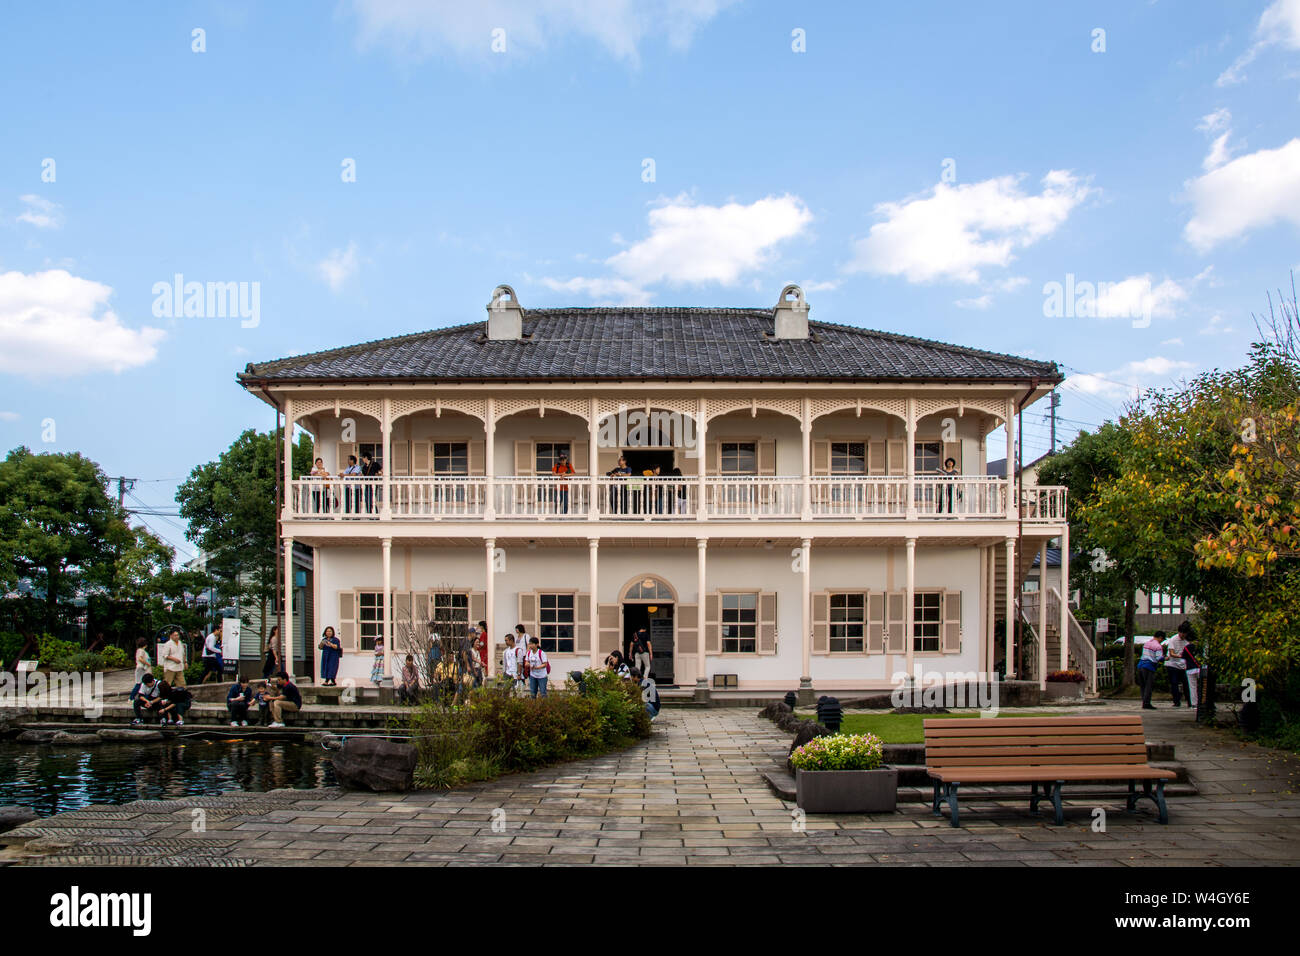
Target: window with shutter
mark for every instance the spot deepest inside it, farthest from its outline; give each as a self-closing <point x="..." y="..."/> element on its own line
<point x="876" y="622"/>
<point x="713" y="624"/>
<point x="347" y="628"/>
<point x="821" y="463"/>
<point x="556" y="620"/>
<point x="821" y="616"/>
<point x="951" y="637"/>
<point x="476" y="457"/>
<point x="688" y="629"/>
<point x="528" y="612"/>
<point x="582" y="627"/>
<point x="876" y="457"/>
<point x="421" y="458"/>
<point x="767" y="622"/>
<point x="848" y="622"/>
<point x="610" y="623"/>
<point x="740" y="623"/>
<point x="525" y="463"/>
<point x="767" y="457"/>
<point x="895" y="622"/>
<point x="477" y="606"/>
<point x="401" y="457"/>
<point x="927" y="620"/>
<point x="896" y="448"/>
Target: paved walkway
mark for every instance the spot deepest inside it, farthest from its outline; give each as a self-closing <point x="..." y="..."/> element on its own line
<point x="693" y="794"/>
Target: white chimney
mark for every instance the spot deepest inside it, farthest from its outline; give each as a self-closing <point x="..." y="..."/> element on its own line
<point x="791" y="314"/>
<point x="505" y="317"/>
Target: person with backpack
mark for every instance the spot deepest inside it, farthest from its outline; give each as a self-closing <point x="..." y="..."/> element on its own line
<point x="642" y="652"/>
<point x="1152" y="652"/>
<point x="537" y="668"/>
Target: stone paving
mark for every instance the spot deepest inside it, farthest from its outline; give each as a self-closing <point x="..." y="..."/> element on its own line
<point x="692" y="794"/>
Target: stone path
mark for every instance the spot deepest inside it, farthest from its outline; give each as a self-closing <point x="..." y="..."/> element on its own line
<point x="691" y="794"/>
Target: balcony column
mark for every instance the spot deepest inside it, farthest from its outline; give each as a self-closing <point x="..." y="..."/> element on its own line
<point x="1011" y="607"/>
<point x="489" y="602"/>
<point x="701" y="633"/>
<point x="805" y="693"/>
<point x="1013" y="499"/>
<point x="593" y="585"/>
<point x="593" y="487"/>
<point x="287" y="502"/>
<point x="806" y="425"/>
<point x="990" y="612"/>
<point x="909" y="609"/>
<point x="489" y="460"/>
<point x="702" y="449"/>
<point x="386" y="425"/>
<point x="1042" y="615"/>
<point x="287" y="633"/>
<point x="1065" y="601"/>
<point x="386" y="547"/>
<point x="909" y="463"/>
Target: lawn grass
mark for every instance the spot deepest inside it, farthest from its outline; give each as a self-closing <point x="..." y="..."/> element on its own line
<point x="902" y="728"/>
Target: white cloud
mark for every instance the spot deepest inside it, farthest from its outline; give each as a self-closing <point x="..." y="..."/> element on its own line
<point x="955" y="231"/>
<point x="1251" y="191"/>
<point x="40" y="212"/>
<point x="9" y="416"/>
<point x="979" y="302"/>
<point x="418" y="29"/>
<point x="1217" y="326"/>
<point x="1279" y="24"/>
<point x="814" y="285"/>
<point x="338" y="267"/>
<point x="1174" y="341"/>
<point x="54" y="324"/>
<point x="1131" y="379"/>
<point x="1137" y="296"/>
<point x="1215" y="122"/>
<point x="692" y="244"/>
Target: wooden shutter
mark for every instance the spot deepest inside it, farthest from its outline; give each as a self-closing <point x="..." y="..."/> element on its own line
<point x="401" y="455"/>
<point x="580" y="457"/>
<point x="478" y="608"/>
<point x="689" y="465"/>
<point x="714" y="451"/>
<point x="821" y="453"/>
<point x="606" y="460"/>
<point x="341" y="451"/>
<point x="528" y="612"/>
<point x="875" y="622"/>
<point x="476" y="457"/>
<point x="582" y="624"/>
<point x="713" y="624"/>
<point x="607" y="619"/>
<point x="875" y="457"/>
<point x="688" y="629"/>
<point x="420" y="608"/>
<point x="525" y="461"/>
<point x="897" y="461"/>
<point x="821" y="623"/>
<point x="421" y="459"/>
<point x="348" y="620"/>
<point x="401" y="610"/>
<point x="950" y="641"/>
<point x="766" y="454"/>
<point x="767" y="622"/>
<point x="951" y="449"/>
<point x="896" y="622"/>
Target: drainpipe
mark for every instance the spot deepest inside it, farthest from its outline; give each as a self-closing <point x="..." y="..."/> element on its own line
<point x="1014" y="487"/>
<point x="279" y="529"/>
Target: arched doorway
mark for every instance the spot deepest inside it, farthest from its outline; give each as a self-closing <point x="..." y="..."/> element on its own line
<point x="649" y="603"/>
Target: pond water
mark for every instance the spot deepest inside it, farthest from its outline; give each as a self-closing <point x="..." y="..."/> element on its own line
<point x="55" y="779"/>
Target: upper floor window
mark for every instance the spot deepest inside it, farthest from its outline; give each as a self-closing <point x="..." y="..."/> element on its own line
<point x="848" y="458"/>
<point x="926" y="620"/>
<point x="739" y="623"/>
<point x="555" y="619"/>
<point x="739" y="458"/>
<point x="376" y="452"/>
<point x="927" y="457"/>
<point x="848" y="622"/>
<point x="450" y="458"/>
<point x="548" y="455"/>
<point x="1162" y="603"/>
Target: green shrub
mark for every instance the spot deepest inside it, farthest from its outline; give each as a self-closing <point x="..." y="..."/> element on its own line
<point x="839" y="752"/>
<point x="51" y="651"/>
<point x="78" y="661"/>
<point x="11" y="645"/>
<point x="114" y="657"/>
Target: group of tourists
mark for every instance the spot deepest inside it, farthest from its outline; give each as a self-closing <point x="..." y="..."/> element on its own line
<point x="160" y="700"/>
<point x="525" y="663"/>
<point x="348" y="495"/>
<point x="274" y="698"/>
<point x="1179" y="658"/>
<point x="617" y="663"/>
<point x="636" y="496"/>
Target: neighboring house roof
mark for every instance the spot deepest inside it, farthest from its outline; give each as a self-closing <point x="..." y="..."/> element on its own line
<point x="998" y="467"/>
<point x="651" y="343"/>
<point x="1053" y="558"/>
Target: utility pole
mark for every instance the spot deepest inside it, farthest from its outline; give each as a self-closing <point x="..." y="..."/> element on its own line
<point x="123" y="486"/>
<point x="1055" y="403"/>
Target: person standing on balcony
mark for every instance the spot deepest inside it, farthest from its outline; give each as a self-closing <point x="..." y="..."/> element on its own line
<point x="618" y="496"/>
<point x="948" y="487"/>
<point x="321" y="503"/>
<point x="351" y="494"/>
<point x="562" y="467"/>
<point x="370" y="469"/>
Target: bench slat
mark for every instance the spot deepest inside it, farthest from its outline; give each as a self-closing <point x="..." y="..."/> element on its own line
<point x="943" y="754"/>
<point x="997" y="740"/>
<point x="1111" y="721"/>
<point x="969" y="733"/>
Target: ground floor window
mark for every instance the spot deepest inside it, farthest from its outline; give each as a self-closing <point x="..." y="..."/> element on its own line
<point x="926" y="620"/>
<point x="370" y="618"/>
<point x="555" y="619"/>
<point x="848" y="622"/>
<point x="740" y="623"/>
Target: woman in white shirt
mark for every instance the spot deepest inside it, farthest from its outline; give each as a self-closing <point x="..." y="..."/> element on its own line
<point x="142" y="665"/>
<point x="538" y="668"/>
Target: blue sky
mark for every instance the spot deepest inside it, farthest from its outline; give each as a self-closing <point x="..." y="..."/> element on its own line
<point x="926" y="169"/>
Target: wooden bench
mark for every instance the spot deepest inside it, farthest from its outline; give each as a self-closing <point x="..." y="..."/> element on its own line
<point x="1051" y="751"/>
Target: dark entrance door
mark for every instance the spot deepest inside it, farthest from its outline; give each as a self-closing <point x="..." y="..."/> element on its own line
<point x="644" y="459"/>
<point x="657" y="619"/>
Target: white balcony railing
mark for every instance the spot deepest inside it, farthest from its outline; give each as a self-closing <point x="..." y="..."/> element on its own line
<point x="717" y="498"/>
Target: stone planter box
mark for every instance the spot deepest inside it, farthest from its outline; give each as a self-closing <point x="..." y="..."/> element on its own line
<point x="1065" y="690"/>
<point x="847" y="791"/>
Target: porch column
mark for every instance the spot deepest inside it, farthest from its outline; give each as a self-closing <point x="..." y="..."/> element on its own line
<point x="806" y="424"/>
<point x="701" y="658"/>
<point x="287" y="501"/>
<point x="805" y="614"/>
<point x="1065" y="602"/>
<point x="489" y="462"/>
<point x="489" y="601"/>
<point x="1011" y="606"/>
<point x="909" y="465"/>
<point x="386" y="426"/>
<point x="593" y="584"/>
<point x="287" y="634"/>
<point x="386" y="546"/>
<point x="909" y="608"/>
<point x="593" y="487"/>
<point x="702" y="449"/>
<point x="1042" y="615"/>
<point x="990" y="612"/>
<point x="1013" y="499"/>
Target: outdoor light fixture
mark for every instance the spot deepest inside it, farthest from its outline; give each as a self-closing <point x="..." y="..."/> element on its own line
<point x="829" y="713"/>
<point x="652" y="608"/>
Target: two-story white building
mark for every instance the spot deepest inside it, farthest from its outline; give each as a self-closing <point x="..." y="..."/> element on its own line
<point x="784" y="520"/>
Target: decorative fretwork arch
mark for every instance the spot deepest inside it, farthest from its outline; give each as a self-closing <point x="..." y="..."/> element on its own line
<point x="370" y="407"/>
<point x="897" y="407"/>
<point x="793" y="407"/>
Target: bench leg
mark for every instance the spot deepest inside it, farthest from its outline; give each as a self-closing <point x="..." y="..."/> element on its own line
<point x="1132" y="797"/>
<point x="935" y="802"/>
<point x="1056" y="802"/>
<point x="1160" y="801"/>
<point x="1158" y="797"/>
<point x="1033" y="796"/>
<point x="952" y="804"/>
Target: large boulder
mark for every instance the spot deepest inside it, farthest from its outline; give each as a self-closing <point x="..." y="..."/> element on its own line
<point x="131" y="736"/>
<point x="65" y="739"/>
<point x="37" y="736"/>
<point x="372" y="763"/>
<point x="806" y="731"/>
<point x="14" y="816"/>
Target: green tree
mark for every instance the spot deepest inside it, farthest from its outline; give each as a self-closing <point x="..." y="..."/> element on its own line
<point x="59" y="527"/>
